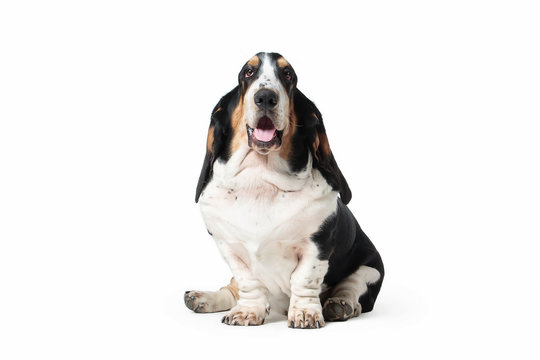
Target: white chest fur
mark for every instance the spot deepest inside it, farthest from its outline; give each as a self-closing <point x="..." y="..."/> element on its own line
<point x="265" y="214"/>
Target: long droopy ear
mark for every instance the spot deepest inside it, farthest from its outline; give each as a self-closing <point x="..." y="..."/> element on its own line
<point x="218" y="138"/>
<point x="323" y="159"/>
<point x="206" y="171"/>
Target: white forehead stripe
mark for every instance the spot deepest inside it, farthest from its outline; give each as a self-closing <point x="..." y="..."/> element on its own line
<point x="267" y="79"/>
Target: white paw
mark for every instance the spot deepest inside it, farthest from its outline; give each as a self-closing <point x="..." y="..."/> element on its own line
<point x="242" y="315"/>
<point x="305" y="318"/>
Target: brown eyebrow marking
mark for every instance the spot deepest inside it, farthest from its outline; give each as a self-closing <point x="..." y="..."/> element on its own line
<point x="282" y="62"/>
<point x="254" y="61"/>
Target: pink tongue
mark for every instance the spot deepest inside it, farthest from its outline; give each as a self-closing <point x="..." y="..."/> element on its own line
<point x="264" y="134"/>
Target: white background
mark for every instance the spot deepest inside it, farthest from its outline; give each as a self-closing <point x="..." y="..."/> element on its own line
<point x="432" y="111"/>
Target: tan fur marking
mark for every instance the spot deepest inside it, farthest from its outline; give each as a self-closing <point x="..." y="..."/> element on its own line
<point x="324" y="146"/>
<point x="316" y="146"/>
<point x="321" y="141"/>
<point x="282" y="62"/>
<point x="233" y="288"/>
<point x="238" y="127"/>
<point x="254" y="61"/>
<point x="210" y="139"/>
<point x="321" y="145"/>
<point x="286" y="141"/>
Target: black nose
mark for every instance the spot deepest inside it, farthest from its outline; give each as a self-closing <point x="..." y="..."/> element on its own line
<point x="266" y="99"/>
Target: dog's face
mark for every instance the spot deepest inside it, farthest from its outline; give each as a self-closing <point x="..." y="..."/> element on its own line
<point x="268" y="114"/>
<point x="267" y="82"/>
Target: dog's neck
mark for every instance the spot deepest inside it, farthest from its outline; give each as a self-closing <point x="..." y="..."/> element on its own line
<point x="270" y="168"/>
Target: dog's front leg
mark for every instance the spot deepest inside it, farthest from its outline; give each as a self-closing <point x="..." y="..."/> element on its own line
<point x="305" y="309"/>
<point x="252" y="305"/>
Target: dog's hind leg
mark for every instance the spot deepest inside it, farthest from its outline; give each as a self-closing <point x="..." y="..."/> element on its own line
<point x="212" y="301"/>
<point x="346" y="299"/>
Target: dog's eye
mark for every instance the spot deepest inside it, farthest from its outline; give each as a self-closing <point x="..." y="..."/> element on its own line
<point x="249" y="73"/>
<point x="287" y="74"/>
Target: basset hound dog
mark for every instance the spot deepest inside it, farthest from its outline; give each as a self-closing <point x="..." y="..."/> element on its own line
<point x="274" y="199"/>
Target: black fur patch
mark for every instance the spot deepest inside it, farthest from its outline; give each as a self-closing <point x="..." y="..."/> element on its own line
<point x="342" y="242"/>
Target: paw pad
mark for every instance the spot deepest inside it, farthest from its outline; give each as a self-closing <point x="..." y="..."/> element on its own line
<point x="336" y="309"/>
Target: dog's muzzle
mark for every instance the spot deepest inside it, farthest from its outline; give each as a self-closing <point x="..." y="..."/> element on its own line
<point x="265" y="137"/>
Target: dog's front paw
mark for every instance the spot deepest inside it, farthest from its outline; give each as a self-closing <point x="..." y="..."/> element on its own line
<point x="242" y="315"/>
<point x="299" y="318"/>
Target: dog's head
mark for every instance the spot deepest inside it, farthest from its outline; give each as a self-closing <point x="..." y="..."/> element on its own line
<point x="267" y="113"/>
<point x="267" y="83"/>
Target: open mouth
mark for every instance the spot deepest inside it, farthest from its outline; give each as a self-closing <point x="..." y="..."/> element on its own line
<point x="265" y="135"/>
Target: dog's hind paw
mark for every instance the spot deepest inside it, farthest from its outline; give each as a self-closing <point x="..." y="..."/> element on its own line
<point x="338" y="309"/>
<point x="196" y="301"/>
